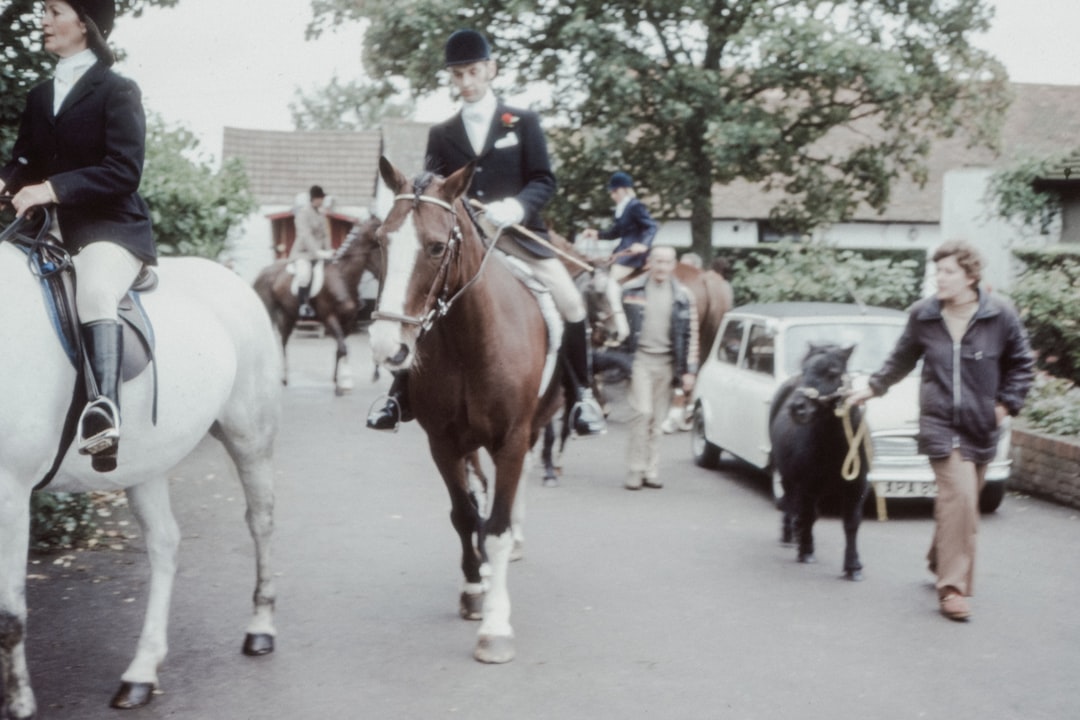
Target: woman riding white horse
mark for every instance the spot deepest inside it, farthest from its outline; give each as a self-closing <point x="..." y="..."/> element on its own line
<point x="80" y="146"/>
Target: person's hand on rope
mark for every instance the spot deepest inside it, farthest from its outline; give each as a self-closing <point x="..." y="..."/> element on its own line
<point x="858" y="397"/>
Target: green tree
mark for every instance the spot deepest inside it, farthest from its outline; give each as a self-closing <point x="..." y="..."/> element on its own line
<point x="23" y="62"/>
<point x="353" y="105"/>
<point x="1013" y="195"/>
<point x="194" y="207"/>
<point x="685" y="95"/>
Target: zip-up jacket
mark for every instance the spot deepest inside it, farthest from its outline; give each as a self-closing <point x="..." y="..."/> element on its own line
<point x="684" y="324"/>
<point x="962" y="381"/>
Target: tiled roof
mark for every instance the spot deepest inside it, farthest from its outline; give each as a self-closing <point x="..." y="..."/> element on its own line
<point x="281" y="164"/>
<point x="1042" y="121"/>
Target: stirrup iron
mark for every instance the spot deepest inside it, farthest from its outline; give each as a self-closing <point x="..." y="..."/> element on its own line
<point x="106" y="438"/>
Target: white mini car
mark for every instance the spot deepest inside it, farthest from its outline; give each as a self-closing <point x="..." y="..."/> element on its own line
<point x="760" y="346"/>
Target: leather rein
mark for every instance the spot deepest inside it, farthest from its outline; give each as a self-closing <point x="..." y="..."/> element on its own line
<point x="440" y="298"/>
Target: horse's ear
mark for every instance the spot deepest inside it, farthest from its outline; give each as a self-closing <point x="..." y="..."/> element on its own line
<point x="458" y="184"/>
<point x="393" y="177"/>
<point x="847" y="352"/>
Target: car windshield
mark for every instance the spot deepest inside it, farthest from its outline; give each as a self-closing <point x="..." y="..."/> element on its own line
<point x="872" y="342"/>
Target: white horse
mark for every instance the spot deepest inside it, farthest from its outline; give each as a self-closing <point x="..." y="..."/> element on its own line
<point x="219" y="370"/>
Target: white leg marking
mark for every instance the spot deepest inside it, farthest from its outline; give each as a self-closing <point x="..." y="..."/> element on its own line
<point x="497" y="600"/>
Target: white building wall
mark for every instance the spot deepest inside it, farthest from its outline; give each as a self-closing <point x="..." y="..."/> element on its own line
<point x="967" y="214"/>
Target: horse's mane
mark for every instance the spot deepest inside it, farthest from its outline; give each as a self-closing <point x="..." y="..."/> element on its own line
<point x="361" y="236"/>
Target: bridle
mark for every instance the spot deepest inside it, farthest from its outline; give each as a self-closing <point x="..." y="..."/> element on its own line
<point x="814" y="395"/>
<point x="440" y="298"/>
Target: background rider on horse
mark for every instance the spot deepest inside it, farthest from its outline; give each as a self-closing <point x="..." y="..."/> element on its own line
<point x="312" y="243"/>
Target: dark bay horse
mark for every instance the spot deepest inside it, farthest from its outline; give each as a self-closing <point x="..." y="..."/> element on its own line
<point x="337" y="302"/>
<point x="481" y="374"/>
<point x="810" y="450"/>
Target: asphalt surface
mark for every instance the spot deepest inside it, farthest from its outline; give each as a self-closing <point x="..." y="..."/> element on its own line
<point x="672" y="603"/>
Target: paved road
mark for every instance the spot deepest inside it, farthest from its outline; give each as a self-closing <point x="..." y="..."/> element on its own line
<point x="673" y="603"/>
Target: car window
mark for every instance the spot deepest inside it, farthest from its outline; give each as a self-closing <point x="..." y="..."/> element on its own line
<point x="872" y="341"/>
<point x="730" y="342"/>
<point x="759" y="350"/>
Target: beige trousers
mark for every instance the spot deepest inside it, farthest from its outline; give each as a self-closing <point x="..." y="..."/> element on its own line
<point x="553" y="274"/>
<point x="650" y="398"/>
<point x="956" y="518"/>
<point x="618" y="272"/>
<point x="104" y="272"/>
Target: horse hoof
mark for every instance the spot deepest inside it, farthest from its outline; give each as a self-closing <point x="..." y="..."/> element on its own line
<point x="256" y="644"/>
<point x="518" y="551"/>
<point x="853" y="575"/>
<point x="551" y="481"/>
<point x="494" y="649"/>
<point x="472" y="606"/>
<point x="807" y="558"/>
<point x="132" y="695"/>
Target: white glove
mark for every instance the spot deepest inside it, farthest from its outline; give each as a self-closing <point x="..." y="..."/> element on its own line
<point x="504" y="212"/>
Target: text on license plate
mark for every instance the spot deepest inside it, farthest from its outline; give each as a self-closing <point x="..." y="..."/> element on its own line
<point x="908" y="488"/>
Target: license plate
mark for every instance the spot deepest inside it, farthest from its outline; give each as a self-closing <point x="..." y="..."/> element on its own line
<point x="908" y="488"/>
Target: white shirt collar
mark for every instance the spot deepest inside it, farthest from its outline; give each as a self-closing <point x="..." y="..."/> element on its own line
<point x="68" y="71"/>
<point x="621" y="207"/>
<point x="482" y="109"/>
<point x="477" y="117"/>
<point x="71" y="68"/>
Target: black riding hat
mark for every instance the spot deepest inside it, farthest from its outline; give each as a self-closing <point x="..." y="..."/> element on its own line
<point x="465" y="47"/>
<point x="101" y="12"/>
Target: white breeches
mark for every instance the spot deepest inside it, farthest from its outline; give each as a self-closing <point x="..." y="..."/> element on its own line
<point x="302" y="266"/>
<point x="553" y="274"/>
<point x="104" y="273"/>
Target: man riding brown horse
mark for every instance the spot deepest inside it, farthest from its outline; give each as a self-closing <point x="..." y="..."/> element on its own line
<point x="514" y="181"/>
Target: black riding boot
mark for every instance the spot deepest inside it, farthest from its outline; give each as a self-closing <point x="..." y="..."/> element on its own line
<point x="99" y="425"/>
<point x="587" y="418"/>
<point x="303" y="294"/>
<point x="396" y="408"/>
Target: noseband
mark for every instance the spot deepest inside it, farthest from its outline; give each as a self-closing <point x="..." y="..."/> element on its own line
<point x="815" y="396"/>
<point x="440" y="298"/>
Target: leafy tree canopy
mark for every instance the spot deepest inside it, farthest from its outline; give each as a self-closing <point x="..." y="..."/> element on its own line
<point x="688" y="94"/>
<point x="193" y="206"/>
<point x="353" y="105"/>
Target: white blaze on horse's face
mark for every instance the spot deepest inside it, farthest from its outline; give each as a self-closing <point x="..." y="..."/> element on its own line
<point x="392" y="343"/>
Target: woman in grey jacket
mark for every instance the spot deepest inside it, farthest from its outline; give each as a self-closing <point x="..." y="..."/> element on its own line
<point x="977" y="369"/>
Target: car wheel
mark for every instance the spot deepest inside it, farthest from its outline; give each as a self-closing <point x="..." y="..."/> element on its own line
<point x="991" y="496"/>
<point x="777" y="488"/>
<point x="706" y="454"/>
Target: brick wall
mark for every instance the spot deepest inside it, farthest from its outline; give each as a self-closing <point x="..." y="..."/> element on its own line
<point x="1046" y="465"/>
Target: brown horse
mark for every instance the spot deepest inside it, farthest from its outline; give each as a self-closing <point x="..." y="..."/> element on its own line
<point x="337" y="302"/>
<point x="481" y="374"/>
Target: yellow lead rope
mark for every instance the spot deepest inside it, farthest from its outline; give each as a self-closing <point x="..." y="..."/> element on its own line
<point x="852" y="463"/>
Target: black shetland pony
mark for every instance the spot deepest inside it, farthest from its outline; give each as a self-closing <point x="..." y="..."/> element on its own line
<point x="809" y="448"/>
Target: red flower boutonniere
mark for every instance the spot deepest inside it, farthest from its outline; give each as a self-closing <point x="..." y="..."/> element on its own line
<point x="509" y="120"/>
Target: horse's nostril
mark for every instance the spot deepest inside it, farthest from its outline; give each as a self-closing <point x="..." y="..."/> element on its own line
<point x="402" y="353"/>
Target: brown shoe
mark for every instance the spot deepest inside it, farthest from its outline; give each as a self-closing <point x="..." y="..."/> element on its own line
<point x="954" y="605"/>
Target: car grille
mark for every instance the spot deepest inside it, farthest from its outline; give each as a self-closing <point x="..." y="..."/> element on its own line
<point x="895" y="446"/>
